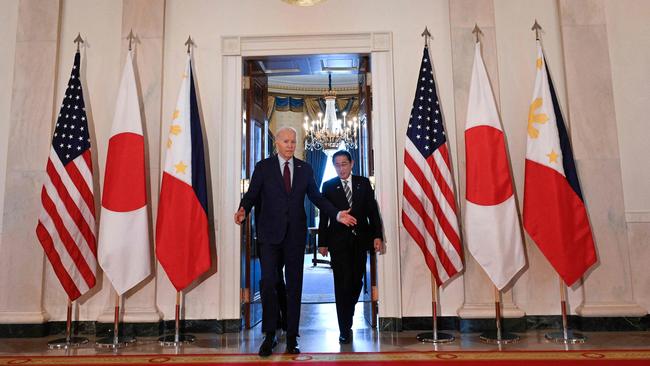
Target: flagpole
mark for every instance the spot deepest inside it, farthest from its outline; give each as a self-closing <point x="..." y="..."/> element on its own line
<point x="69" y="341"/>
<point x="177" y="339"/>
<point x="435" y="336"/>
<point x="498" y="336"/>
<point x="566" y="336"/>
<point x="116" y="341"/>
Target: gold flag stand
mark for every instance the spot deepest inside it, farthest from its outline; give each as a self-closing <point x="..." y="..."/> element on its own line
<point x="435" y="336"/>
<point x="498" y="336"/>
<point x="116" y="341"/>
<point x="566" y="336"/>
<point x="177" y="338"/>
<point x="69" y="341"/>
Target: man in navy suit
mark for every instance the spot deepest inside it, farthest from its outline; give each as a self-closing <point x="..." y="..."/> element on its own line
<point x="277" y="189"/>
<point x="349" y="245"/>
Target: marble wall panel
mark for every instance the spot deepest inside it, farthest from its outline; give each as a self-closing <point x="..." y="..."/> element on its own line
<point x="32" y="119"/>
<point x="38" y="20"/>
<point x="608" y="286"/>
<point x="639" y="236"/>
<point x="582" y="12"/>
<point x="27" y="149"/>
<point x="589" y="83"/>
<point x="606" y="213"/>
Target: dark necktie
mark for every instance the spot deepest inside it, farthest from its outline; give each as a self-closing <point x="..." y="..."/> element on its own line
<point x="348" y="192"/>
<point x="286" y="174"/>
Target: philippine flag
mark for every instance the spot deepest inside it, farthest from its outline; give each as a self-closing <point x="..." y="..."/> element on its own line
<point x="182" y="244"/>
<point x="555" y="216"/>
<point x="492" y="229"/>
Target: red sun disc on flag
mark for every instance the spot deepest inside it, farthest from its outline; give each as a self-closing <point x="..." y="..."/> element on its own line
<point x="487" y="164"/>
<point x="124" y="184"/>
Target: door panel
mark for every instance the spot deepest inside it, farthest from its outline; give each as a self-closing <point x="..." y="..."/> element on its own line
<point x="369" y="294"/>
<point x="254" y="149"/>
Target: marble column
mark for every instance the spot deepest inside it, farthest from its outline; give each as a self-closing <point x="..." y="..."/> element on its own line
<point x="592" y="121"/>
<point x="464" y="14"/>
<point x="32" y="107"/>
<point x="146" y="19"/>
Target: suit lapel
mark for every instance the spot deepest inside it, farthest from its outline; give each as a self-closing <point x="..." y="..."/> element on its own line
<point x="356" y="190"/>
<point x="339" y="192"/>
<point x="297" y="172"/>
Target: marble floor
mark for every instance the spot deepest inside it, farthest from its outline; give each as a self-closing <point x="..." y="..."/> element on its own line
<point x="319" y="334"/>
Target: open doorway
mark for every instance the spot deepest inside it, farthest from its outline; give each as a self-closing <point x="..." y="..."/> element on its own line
<point x="284" y="91"/>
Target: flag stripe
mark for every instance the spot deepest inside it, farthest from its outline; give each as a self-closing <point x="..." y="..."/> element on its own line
<point x="420" y="240"/>
<point x="414" y="209"/>
<point x="444" y="234"/>
<point x="53" y="256"/>
<point x="445" y="251"/>
<point x="55" y="225"/>
<point x="84" y="190"/>
<point x="73" y="191"/>
<point x="55" y="188"/>
<point x="424" y="176"/>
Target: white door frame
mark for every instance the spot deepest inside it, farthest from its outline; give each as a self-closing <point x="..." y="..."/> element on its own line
<point x="233" y="50"/>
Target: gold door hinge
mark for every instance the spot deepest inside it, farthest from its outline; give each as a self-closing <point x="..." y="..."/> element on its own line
<point x="245" y="295"/>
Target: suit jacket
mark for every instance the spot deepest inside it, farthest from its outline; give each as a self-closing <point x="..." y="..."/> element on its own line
<point x="275" y="208"/>
<point x="364" y="208"/>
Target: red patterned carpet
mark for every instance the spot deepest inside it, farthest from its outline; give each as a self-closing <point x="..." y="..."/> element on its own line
<point x="494" y="358"/>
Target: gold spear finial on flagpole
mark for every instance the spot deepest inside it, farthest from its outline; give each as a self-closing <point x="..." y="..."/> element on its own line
<point x="426" y="35"/>
<point x="131" y="38"/>
<point x="537" y="28"/>
<point x="477" y="32"/>
<point x="189" y="43"/>
<point x="78" y="41"/>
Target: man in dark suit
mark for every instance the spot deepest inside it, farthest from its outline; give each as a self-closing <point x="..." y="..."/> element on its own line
<point x="349" y="245"/>
<point x="277" y="189"/>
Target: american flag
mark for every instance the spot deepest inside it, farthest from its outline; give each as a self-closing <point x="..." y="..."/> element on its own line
<point x="428" y="203"/>
<point x="66" y="225"/>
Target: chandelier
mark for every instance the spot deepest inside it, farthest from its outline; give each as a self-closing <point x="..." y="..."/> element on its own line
<point x="327" y="132"/>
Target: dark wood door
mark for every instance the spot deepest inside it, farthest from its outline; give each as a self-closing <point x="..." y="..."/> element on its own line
<point x="254" y="148"/>
<point x="369" y="293"/>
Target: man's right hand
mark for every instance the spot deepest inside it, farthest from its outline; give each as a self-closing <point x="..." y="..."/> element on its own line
<point x="345" y="218"/>
<point x="240" y="215"/>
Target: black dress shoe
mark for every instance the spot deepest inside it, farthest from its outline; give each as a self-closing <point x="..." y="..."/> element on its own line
<point x="292" y="346"/>
<point x="266" y="349"/>
<point x="345" y="337"/>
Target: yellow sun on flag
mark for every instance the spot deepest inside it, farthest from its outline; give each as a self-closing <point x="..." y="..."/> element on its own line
<point x="175" y="129"/>
<point x="552" y="156"/>
<point x="538" y="63"/>
<point x="180" y="167"/>
<point x="169" y="143"/>
<point x="533" y="118"/>
<point x="176" y="114"/>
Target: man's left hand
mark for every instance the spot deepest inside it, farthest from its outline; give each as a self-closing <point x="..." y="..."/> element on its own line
<point x="378" y="244"/>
